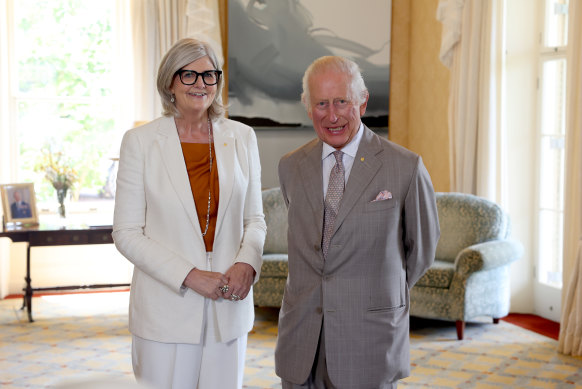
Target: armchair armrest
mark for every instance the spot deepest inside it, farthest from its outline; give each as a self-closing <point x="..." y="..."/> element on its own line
<point x="487" y="255"/>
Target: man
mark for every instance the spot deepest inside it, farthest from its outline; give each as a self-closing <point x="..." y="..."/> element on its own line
<point x="20" y="209"/>
<point x="363" y="228"/>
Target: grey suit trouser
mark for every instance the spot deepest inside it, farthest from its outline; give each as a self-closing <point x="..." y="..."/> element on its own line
<point x="318" y="378"/>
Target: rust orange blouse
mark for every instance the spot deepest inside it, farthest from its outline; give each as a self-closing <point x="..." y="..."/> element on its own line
<point x="197" y="164"/>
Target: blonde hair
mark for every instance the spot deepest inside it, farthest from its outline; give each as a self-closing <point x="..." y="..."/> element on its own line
<point x="183" y="52"/>
<point x="357" y="88"/>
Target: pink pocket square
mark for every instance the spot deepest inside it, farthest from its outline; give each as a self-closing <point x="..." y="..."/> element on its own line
<point x="384" y="195"/>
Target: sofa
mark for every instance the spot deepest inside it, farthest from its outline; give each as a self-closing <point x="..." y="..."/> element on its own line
<point x="468" y="280"/>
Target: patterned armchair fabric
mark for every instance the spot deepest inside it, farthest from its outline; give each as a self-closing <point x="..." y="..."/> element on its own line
<point x="268" y="291"/>
<point x="470" y="275"/>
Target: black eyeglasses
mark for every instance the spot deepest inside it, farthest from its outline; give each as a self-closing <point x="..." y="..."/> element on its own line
<point x="189" y="77"/>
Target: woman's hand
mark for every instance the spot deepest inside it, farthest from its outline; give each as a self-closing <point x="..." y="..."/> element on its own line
<point x="206" y="283"/>
<point x="241" y="276"/>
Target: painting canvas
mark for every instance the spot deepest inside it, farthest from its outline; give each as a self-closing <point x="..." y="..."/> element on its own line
<point x="272" y="42"/>
<point x="19" y="203"/>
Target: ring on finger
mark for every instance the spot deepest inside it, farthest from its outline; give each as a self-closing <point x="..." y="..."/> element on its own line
<point x="234" y="297"/>
<point x="224" y="288"/>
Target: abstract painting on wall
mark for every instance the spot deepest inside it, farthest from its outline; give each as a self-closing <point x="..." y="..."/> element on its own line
<point x="272" y="42"/>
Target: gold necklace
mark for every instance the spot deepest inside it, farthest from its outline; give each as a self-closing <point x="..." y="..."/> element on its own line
<point x="209" y="181"/>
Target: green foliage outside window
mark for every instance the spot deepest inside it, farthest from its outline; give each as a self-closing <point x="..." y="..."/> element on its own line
<point x="64" y="53"/>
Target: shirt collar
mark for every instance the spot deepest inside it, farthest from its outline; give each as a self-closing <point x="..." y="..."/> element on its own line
<point x="350" y="149"/>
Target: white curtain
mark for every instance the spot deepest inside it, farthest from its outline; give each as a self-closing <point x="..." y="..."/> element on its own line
<point x="157" y="25"/>
<point x="570" y="340"/>
<point x="204" y="23"/>
<point x="5" y="142"/>
<point x="472" y="47"/>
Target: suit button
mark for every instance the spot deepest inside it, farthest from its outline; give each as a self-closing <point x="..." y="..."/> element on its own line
<point x="319" y="310"/>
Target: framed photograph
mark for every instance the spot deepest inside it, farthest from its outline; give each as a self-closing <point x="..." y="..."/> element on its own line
<point x="19" y="203"/>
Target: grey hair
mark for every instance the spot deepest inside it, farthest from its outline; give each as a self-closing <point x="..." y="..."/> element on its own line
<point x="358" y="91"/>
<point x="183" y="52"/>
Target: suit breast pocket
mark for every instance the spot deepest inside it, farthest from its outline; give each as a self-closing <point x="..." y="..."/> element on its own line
<point x="375" y="221"/>
<point x="376" y="206"/>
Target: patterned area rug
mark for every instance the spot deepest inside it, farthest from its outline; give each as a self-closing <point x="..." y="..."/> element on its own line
<point x="491" y="356"/>
<point x="84" y="337"/>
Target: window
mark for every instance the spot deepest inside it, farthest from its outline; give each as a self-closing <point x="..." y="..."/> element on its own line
<point x="66" y="92"/>
<point x="551" y="140"/>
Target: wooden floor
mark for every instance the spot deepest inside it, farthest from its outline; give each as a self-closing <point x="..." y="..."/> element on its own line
<point x="534" y="323"/>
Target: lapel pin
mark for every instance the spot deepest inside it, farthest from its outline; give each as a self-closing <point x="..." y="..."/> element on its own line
<point x="362" y="159"/>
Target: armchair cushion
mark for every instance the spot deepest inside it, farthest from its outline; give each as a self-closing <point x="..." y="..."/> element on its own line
<point x="439" y="275"/>
<point x="274" y="265"/>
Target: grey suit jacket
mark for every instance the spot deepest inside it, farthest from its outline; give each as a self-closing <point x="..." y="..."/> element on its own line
<point x="378" y="251"/>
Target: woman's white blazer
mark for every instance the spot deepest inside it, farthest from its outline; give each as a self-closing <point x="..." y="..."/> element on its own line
<point x="156" y="227"/>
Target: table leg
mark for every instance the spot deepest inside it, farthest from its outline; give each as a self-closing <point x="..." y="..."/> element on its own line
<point x="28" y="290"/>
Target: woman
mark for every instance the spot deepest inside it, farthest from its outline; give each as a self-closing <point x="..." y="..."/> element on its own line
<point x="189" y="216"/>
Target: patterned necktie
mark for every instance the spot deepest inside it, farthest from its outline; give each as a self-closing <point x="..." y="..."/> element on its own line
<point x="335" y="192"/>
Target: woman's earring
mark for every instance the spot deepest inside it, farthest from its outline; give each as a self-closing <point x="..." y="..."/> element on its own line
<point x="172" y="99"/>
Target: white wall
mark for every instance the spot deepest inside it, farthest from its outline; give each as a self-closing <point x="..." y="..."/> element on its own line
<point x="273" y="144"/>
<point x="520" y="107"/>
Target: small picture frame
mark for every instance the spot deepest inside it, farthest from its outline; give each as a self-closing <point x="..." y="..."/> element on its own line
<point x="19" y="203"/>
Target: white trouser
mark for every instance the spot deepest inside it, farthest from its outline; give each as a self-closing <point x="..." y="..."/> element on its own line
<point x="209" y="364"/>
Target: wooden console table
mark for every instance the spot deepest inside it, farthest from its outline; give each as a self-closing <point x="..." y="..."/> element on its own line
<point x="50" y="236"/>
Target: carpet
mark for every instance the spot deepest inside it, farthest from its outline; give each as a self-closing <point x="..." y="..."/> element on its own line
<point x="85" y="337"/>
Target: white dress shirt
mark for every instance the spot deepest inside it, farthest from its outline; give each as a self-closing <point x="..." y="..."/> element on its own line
<point x="328" y="160"/>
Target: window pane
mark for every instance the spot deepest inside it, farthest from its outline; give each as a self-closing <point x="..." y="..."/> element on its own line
<point x="64" y="89"/>
<point x="556" y="23"/>
<point x="552" y="157"/>
<point x="550" y="247"/>
<point x="64" y="47"/>
<point x="82" y="131"/>
<point x="552" y="173"/>
<point x="552" y="141"/>
<point x="553" y="92"/>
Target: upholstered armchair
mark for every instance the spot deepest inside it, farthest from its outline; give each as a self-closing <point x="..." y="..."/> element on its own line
<point x="268" y="291"/>
<point x="470" y="275"/>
